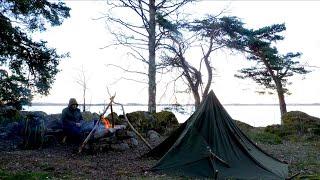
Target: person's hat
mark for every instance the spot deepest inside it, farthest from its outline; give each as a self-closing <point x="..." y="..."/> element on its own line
<point x="73" y="101"/>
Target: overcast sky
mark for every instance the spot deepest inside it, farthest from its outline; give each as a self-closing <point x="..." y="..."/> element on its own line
<point x="84" y="37"/>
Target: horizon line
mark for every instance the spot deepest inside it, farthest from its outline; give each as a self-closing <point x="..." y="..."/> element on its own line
<point x="141" y="104"/>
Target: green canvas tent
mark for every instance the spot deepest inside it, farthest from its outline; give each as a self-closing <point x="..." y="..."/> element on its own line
<point x="209" y="144"/>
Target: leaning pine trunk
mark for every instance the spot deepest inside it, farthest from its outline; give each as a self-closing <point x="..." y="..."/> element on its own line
<point x="280" y="91"/>
<point x="282" y="103"/>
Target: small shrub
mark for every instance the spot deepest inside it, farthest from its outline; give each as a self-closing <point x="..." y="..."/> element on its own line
<point x="278" y="130"/>
<point x="265" y="137"/>
<point x="9" y="114"/>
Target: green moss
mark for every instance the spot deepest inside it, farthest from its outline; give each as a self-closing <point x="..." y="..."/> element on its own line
<point x="166" y="122"/>
<point x="278" y="130"/>
<point x="5" y="175"/>
<point x="309" y="177"/>
<point x="162" y="122"/>
<point x="265" y="137"/>
<point x="297" y="122"/>
<point x="297" y="126"/>
<point x="141" y="120"/>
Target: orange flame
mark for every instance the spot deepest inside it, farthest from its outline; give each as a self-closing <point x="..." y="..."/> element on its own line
<point x="106" y="123"/>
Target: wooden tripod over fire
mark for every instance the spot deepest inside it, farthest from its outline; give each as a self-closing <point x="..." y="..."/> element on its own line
<point x="112" y="121"/>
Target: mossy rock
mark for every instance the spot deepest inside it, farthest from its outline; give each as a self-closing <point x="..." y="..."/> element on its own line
<point x="53" y="121"/>
<point x="142" y="120"/>
<point x="243" y="126"/>
<point x="300" y="123"/>
<point x="116" y="118"/>
<point x="88" y="116"/>
<point x="55" y="117"/>
<point x="166" y="122"/>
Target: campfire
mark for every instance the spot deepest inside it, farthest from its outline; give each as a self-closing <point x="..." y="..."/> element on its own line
<point x="106" y="122"/>
<point x="107" y="134"/>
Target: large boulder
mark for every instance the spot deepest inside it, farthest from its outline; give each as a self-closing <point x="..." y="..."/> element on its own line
<point x="162" y="122"/>
<point x="243" y="126"/>
<point x="53" y="122"/>
<point x="116" y="118"/>
<point x="300" y="123"/>
<point x="153" y="136"/>
<point x="142" y="120"/>
<point x="89" y="116"/>
<point x="166" y="122"/>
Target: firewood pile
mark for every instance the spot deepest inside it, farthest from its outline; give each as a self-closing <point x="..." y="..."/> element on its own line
<point x="117" y="138"/>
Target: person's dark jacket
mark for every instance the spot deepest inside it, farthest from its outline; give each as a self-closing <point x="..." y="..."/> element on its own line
<point x="70" y="117"/>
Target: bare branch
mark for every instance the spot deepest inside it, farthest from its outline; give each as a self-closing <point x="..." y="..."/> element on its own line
<point x="126" y="70"/>
<point x="128" y="26"/>
<point x="167" y="85"/>
<point x="129" y="79"/>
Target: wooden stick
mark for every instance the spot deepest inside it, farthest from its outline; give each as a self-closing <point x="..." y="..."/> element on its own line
<point x="221" y="160"/>
<point x="140" y="136"/>
<point x="213" y="155"/>
<point x="112" y="119"/>
<point x="216" y="175"/>
<point x="95" y="126"/>
<point x="293" y="176"/>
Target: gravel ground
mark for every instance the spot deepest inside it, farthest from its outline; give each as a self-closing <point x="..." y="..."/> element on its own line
<point x="303" y="157"/>
<point x="61" y="163"/>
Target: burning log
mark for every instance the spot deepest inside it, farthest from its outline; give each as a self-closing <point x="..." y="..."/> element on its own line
<point x="102" y="131"/>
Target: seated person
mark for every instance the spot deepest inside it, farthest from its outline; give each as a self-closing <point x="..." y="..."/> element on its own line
<point x="71" y="121"/>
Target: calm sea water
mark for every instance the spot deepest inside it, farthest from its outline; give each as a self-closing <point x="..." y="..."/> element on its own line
<point x="255" y="115"/>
